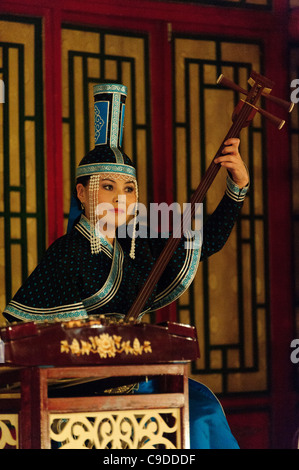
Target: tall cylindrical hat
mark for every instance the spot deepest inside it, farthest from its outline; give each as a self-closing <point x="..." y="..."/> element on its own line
<point x="107" y="156"/>
<point x="109" y="112"/>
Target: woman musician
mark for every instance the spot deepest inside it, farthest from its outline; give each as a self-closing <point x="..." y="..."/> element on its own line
<point x="92" y="270"/>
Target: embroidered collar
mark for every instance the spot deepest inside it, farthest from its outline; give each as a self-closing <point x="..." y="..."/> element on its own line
<point x="84" y="227"/>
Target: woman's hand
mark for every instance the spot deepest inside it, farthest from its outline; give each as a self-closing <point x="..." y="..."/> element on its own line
<point x="232" y="161"/>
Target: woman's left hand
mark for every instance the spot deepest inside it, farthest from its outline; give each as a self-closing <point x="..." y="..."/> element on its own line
<point x="232" y="161"/>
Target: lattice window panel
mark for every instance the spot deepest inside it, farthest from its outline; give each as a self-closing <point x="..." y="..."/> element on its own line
<point x="22" y="213"/>
<point x="228" y="299"/>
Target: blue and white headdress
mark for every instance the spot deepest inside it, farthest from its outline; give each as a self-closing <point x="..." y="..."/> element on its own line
<point x="106" y="158"/>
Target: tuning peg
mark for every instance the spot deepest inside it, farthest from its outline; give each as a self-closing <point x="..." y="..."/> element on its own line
<point x="287" y="105"/>
<point x="279" y="123"/>
<point x="230" y="84"/>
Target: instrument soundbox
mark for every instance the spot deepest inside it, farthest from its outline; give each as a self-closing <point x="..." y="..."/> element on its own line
<point x="97" y="341"/>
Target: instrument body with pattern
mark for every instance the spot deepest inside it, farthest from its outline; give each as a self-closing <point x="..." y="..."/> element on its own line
<point x="97" y="341"/>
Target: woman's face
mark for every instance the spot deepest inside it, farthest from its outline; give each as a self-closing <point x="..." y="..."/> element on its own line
<point x="115" y="197"/>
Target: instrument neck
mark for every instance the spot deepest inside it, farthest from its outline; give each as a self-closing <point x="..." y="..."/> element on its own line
<point x="174" y="240"/>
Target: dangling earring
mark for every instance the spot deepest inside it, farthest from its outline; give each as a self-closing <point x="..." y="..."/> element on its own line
<point x="132" y="251"/>
<point x="82" y="206"/>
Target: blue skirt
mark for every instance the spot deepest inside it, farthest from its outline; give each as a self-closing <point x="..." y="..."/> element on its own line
<point x="209" y="428"/>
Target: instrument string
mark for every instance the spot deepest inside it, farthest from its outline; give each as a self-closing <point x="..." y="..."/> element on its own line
<point x="189" y="213"/>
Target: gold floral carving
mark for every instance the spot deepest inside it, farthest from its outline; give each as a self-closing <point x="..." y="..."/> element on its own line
<point x="122" y="429"/>
<point x="105" y="346"/>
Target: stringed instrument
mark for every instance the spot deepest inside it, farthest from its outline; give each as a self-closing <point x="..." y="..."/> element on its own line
<point x="242" y="116"/>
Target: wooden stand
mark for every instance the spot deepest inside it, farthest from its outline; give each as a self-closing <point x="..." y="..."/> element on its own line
<point x="42" y="418"/>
